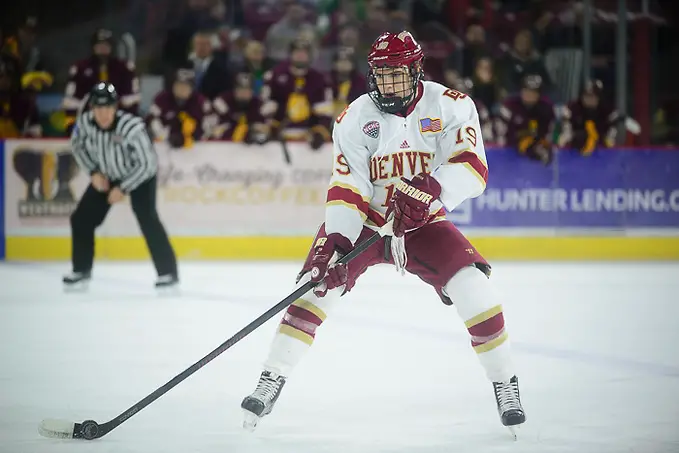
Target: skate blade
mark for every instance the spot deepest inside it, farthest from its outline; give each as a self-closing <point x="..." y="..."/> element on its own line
<point x="80" y="287"/>
<point x="250" y="421"/>
<point x="168" y="291"/>
<point x="513" y="430"/>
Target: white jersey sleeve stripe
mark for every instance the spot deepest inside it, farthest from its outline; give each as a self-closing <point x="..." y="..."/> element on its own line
<point x="471" y="162"/>
<point x="346" y="186"/>
<point x="350" y="190"/>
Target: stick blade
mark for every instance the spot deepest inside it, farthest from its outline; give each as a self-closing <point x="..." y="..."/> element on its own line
<point x="55" y="428"/>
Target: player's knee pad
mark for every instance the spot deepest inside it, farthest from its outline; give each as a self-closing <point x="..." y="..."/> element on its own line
<point x="307" y="313"/>
<point x="479" y="307"/>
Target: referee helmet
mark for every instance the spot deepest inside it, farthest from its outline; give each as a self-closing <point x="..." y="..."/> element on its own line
<point x="104" y="94"/>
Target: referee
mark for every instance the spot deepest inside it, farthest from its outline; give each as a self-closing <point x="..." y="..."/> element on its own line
<point x="114" y="147"/>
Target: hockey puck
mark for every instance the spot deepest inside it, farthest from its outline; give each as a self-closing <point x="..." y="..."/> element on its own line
<point x="89" y="429"/>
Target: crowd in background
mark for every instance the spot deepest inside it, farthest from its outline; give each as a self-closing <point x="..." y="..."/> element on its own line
<point x="259" y="70"/>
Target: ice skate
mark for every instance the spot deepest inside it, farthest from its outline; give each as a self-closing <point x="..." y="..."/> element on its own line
<point x="167" y="285"/>
<point x="509" y="404"/>
<point x="76" y="281"/>
<point x="262" y="400"/>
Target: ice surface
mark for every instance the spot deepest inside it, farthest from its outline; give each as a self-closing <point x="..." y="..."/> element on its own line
<point x="391" y="370"/>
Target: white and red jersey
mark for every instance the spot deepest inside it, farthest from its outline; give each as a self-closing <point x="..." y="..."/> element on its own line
<point x="440" y="135"/>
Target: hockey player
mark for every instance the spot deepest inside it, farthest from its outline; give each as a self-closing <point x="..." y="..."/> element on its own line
<point x="19" y="116"/>
<point x="240" y="115"/>
<point x="180" y="115"/>
<point x="526" y="121"/>
<point x="300" y="98"/>
<point x="101" y="66"/>
<point x="588" y="122"/>
<point x="407" y="150"/>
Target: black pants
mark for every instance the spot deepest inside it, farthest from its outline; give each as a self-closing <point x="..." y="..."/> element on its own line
<point x="91" y="212"/>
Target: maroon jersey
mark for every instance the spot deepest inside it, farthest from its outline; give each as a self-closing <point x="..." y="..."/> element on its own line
<point x="520" y="126"/>
<point x="234" y="119"/>
<point x="344" y="92"/>
<point x="192" y="118"/>
<point x="300" y="103"/>
<point x="19" y="117"/>
<point x="86" y="73"/>
<point x="586" y="129"/>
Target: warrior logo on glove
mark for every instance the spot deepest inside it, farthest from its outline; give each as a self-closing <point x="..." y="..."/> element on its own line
<point x="411" y="202"/>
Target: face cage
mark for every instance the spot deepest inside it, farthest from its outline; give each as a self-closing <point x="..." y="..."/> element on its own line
<point x="395" y="104"/>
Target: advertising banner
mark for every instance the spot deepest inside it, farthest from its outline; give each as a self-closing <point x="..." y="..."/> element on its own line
<point x="612" y="189"/>
<point x="224" y="189"/>
<point x="2" y="200"/>
<point x="214" y="189"/>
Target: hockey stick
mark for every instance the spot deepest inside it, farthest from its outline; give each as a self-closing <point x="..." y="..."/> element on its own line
<point x="89" y="429"/>
<point x="284" y="143"/>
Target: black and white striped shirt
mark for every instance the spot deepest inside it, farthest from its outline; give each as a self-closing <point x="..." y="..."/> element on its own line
<point x="123" y="153"/>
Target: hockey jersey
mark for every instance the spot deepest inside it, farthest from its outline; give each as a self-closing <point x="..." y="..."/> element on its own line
<point x="440" y="135"/>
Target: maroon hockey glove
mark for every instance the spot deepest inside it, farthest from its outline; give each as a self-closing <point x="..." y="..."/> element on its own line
<point x="330" y="275"/>
<point x="411" y="201"/>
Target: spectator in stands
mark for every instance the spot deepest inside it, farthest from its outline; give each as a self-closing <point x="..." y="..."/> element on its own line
<point x="347" y="83"/>
<point x="474" y="48"/>
<point x="541" y="20"/>
<point x="588" y="122"/>
<point x="21" y="47"/>
<point x="9" y="52"/>
<point x="520" y="60"/>
<point x="300" y="97"/>
<point x="526" y="122"/>
<point x="199" y="15"/>
<point x="231" y="47"/>
<point x="34" y="76"/>
<point x="19" y="115"/>
<point x="485" y="87"/>
<point x="181" y="115"/>
<point x="349" y="37"/>
<point x="283" y="33"/>
<point x="211" y="75"/>
<point x="101" y="66"/>
<point x="484" y="90"/>
<point x="240" y="114"/>
<point x="257" y="64"/>
<point x="486" y="120"/>
<point x="452" y="72"/>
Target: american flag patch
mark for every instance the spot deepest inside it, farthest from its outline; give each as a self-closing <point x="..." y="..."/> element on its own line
<point x="430" y="124"/>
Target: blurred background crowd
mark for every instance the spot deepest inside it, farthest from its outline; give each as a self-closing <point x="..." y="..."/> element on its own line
<point x="542" y="73"/>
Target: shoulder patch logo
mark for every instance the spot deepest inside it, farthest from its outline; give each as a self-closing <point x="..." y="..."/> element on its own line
<point x="372" y="129"/>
